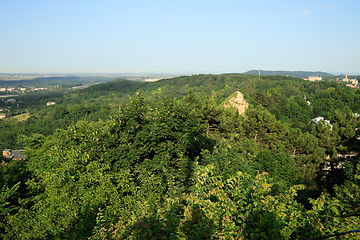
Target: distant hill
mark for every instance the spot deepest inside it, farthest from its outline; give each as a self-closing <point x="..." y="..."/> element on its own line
<point x="298" y="74"/>
<point x="55" y="81"/>
<point x="120" y="86"/>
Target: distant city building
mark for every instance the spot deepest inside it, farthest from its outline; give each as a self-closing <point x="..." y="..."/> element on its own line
<point x="350" y="85"/>
<point x="77" y="87"/>
<point x="151" y="79"/>
<point x="14" y="154"/>
<point x="314" y="78"/>
<point x="50" y="103"/>
<point x="317" y="120"/>
<point x="39" y="89"/>
<point x="352" y="82"/>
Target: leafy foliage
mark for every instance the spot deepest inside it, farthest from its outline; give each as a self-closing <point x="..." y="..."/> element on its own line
<point x="173" y="163"/>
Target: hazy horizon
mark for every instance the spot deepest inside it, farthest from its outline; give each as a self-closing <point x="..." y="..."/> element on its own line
<point x="162" y="73"/>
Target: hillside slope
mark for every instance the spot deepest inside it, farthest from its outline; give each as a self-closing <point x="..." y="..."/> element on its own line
<point x="166" y="160"/>
<point x="298" y="74"/>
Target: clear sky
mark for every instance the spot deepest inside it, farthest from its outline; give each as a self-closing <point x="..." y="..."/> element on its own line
<point x="178" y="36"/>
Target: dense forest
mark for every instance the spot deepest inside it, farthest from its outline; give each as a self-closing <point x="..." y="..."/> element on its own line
<point x="298" y="74"/>
<point x="168" y="160"/>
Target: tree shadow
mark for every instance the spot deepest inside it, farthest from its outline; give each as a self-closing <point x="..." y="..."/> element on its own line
<point x="171" y="225"/>
<point x="262" y="225"/>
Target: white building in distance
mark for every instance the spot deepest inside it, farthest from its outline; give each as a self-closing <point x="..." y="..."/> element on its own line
<point x="314" y="78"/>
<point x="317" y="120"/>
<point x="352" y="81"/>
<point x="151" y="79"/>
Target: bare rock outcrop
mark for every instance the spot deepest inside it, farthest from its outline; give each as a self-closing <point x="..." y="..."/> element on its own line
<point x="237" y="102"/>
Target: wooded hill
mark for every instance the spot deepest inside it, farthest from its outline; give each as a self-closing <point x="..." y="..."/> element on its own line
<point x="298" y="74"/>
<point x="167" y="160"/>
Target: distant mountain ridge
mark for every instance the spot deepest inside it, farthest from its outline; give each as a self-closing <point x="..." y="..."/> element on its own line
<point x="298" y="74"/>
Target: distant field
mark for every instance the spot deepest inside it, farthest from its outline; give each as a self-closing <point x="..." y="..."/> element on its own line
<point x="21" y="117"/>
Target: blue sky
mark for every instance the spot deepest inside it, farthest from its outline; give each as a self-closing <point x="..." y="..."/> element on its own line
<point x="104" y="36"/>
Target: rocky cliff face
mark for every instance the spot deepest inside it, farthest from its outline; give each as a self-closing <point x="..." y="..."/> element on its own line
<point x="237" y="102"/>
